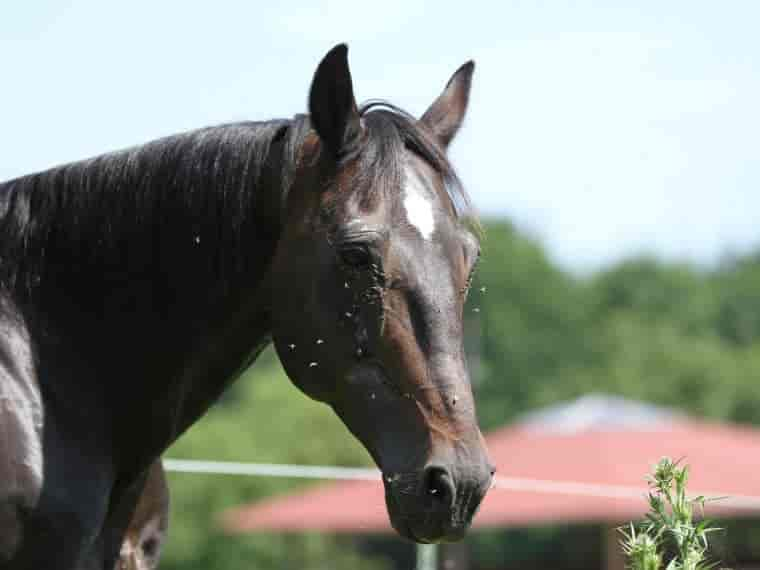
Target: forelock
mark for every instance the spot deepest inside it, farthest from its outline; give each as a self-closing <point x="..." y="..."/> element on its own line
<point x="390" y="133"/>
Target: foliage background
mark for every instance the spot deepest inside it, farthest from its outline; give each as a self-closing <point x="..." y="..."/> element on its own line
<point x="665" y="332"/>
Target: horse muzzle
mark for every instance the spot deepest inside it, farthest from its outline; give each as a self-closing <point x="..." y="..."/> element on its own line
<point x="438" y="504"/>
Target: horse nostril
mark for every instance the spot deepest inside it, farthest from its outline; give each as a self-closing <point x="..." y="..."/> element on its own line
<point x="437" y="484"/>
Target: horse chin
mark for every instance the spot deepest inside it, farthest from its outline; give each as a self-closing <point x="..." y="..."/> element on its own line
<point x="402" y="528"/>
<point x="423" y="531"/>
<point x="420" y="527"/>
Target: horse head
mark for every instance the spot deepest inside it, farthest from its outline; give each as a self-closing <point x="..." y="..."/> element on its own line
<point x="372" y="271"/>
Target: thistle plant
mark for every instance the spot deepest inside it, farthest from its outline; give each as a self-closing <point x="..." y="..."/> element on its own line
<point x="669" y="525"/>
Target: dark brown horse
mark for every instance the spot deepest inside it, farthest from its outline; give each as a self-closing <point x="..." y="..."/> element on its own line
<point x="135" y="286"/>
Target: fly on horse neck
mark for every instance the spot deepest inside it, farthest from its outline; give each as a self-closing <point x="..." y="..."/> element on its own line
<point x="135" y="287"/>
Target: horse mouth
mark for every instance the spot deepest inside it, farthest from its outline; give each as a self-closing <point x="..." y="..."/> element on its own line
<point x="405" y="531"/>
<point x="425" y="526"/>
<point x="435" y="533"/>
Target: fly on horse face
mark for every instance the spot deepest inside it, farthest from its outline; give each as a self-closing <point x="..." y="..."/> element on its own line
<point x="135" y="286"/>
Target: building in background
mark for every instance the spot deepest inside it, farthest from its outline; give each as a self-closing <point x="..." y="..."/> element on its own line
<point x="571" y="464"/>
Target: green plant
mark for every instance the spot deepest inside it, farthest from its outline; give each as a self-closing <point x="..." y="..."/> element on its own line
<point x="670" y="525"/>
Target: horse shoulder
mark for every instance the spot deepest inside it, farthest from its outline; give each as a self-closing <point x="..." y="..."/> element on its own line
<point x="53" y="491"/>
<point x="21" y="424"/>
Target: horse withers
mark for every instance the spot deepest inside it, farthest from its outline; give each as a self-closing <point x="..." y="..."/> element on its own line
<point x="135" y="286"/>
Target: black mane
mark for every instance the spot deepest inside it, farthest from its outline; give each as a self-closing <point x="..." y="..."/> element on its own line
<point x="108" y="211"/>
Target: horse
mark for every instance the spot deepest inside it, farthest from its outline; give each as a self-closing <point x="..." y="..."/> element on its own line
<point x="146" y="533"/>
<point x="136" y="286"/>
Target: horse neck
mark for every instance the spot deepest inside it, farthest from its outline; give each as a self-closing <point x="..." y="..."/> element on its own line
<point x="150" y="249"/>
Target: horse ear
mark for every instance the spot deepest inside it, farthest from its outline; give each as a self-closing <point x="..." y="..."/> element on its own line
<point x="333" y="109"/>
<point x="444" y="117"/>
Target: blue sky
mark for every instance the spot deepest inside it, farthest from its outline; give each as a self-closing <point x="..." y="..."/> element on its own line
<point x="604" y="129"/>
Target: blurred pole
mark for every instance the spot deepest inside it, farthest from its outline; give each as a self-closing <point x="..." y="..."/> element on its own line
<point x="453" y="556"/>
<point x="427" y="557"/>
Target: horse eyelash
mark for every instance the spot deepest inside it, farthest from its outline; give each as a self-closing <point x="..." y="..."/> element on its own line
<point x="470" y="278"/>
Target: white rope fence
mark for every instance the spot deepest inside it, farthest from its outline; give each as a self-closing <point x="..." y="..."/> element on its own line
<point x="427" y="554"/>
<point x="739" y="502"/>
<point x="271" y="470"/>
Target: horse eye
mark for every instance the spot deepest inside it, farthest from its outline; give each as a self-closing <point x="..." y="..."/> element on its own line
<point x="355" y="256"/>
<point x="150" y="546"/>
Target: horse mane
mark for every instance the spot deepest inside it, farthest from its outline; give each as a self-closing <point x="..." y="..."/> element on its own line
<point x="106" y="209"/>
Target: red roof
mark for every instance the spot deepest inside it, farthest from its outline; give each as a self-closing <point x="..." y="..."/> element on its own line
<point x="585" y="461"/>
